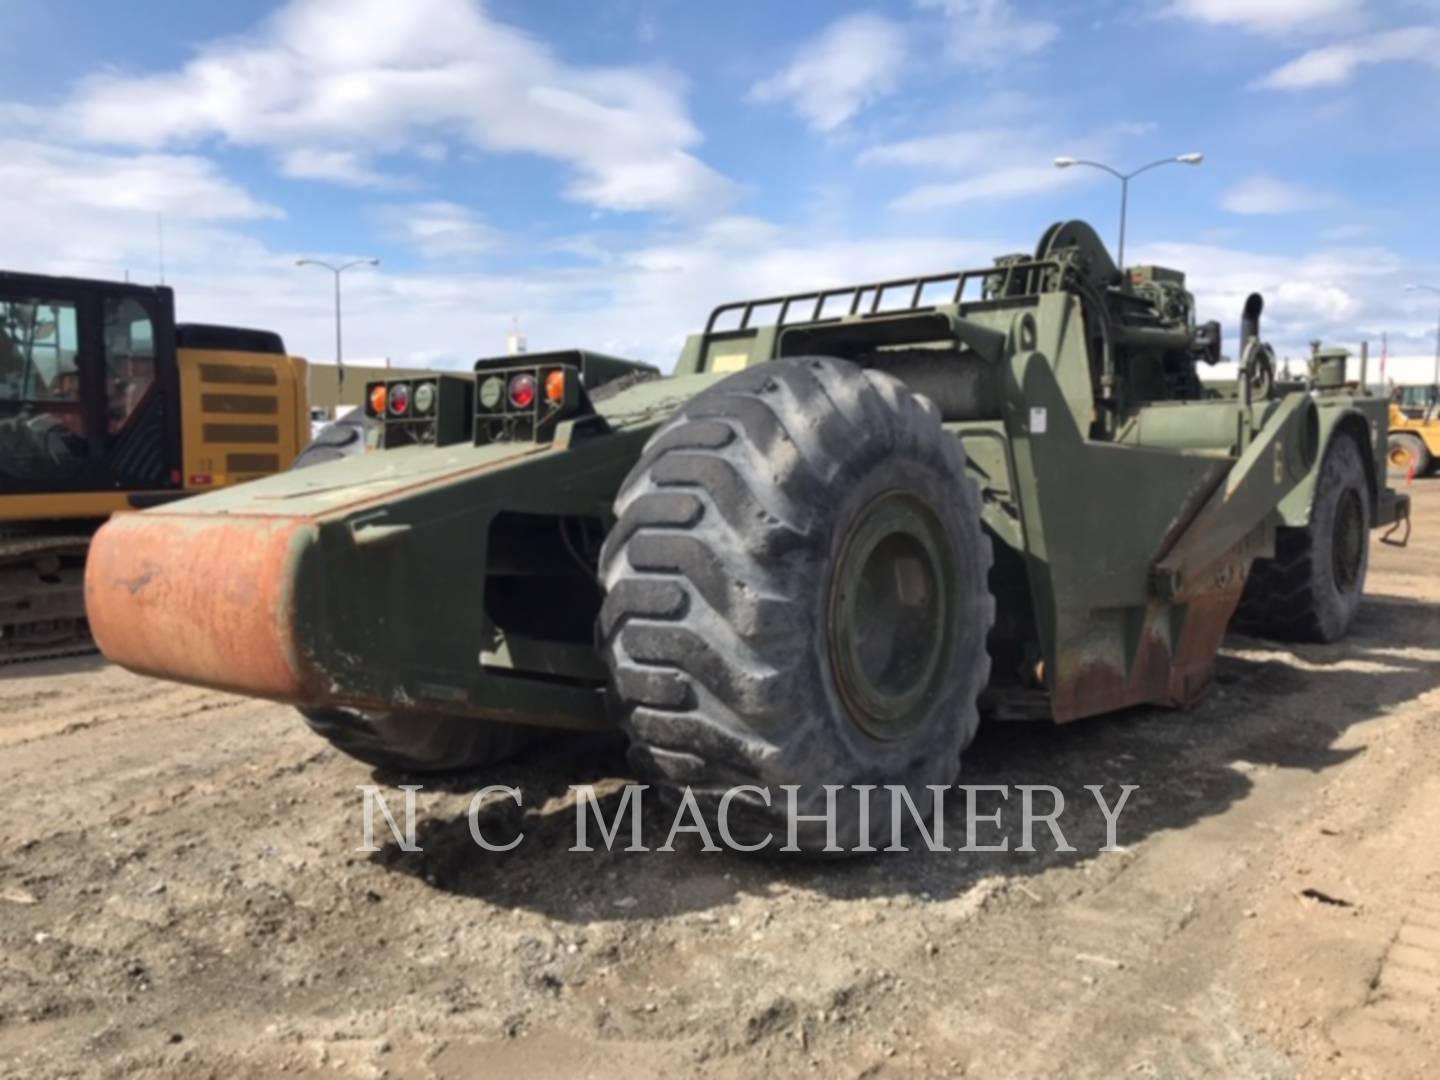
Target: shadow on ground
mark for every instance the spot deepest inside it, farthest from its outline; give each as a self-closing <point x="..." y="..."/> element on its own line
<point x="1273" y="706"/>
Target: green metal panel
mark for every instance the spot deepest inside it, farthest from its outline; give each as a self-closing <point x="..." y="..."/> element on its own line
<point x="1349" y="414"/>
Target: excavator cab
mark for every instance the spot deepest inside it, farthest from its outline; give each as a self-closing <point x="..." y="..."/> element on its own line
<point x="86" y="369"/>
<point x="107" y="405"/>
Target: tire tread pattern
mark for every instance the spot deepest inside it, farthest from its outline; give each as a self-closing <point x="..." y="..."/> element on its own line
<point x="1289" y="597"/>
<point x="710" y="579"/>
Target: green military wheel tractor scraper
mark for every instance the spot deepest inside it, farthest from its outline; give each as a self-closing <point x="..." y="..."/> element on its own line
<point x="853" y="521"/>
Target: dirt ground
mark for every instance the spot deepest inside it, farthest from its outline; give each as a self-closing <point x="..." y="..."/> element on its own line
<point x="180" y="896"/>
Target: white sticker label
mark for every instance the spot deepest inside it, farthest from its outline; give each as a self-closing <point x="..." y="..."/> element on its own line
<point x="1037" y="420"/>
<point x="729" y="362"/>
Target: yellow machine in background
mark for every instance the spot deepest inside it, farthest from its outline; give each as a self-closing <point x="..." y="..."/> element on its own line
<point x="243" y="411"/>
<point x="106" y="405"/>
<point x="1414" y="445"/>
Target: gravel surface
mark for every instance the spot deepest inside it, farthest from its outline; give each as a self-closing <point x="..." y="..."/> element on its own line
<point x="181" y="896"/>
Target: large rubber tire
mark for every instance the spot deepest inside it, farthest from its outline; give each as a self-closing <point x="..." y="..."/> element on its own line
<point x="419" y="742"/>
<point x="1407" y="455"/>
<point x="746" y="537"/>
<point x="1313" y="586"/>
<point x="410" y="742"/>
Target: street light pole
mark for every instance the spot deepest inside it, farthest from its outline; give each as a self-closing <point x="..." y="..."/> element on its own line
<point x="1431" y="288"/>
<point x="337" y="271"/>
<point x="1125" y="178"/>
<point x="339" y="348"/>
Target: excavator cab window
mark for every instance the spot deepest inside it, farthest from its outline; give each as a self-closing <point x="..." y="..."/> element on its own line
<point x="129" y="360"/>
<point x="43" y="424"/>
<point x="89" y="386"/>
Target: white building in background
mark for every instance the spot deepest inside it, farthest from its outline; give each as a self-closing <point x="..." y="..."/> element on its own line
<point x="516" y="343"/>
<point x="1405" y="370"/>
<point x="323" y="382"/>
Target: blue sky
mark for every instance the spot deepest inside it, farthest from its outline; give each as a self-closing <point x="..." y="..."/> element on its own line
<point x="603" y="173"/>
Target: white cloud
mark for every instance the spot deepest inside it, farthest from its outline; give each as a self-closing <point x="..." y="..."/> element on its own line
<point x="337" y="166"/>
<point x="860" y="58"/>
<point x="1267" y="195"/>
<point x="852" y="62"/>
<point x="989" y="163"/>
<point x="952" y="150"/>
<point x="1271" y="16"/>
<point x="990" y="33"/>
<point x="95" y="214"/>
<point x="180" y="186"/>
<point x="645" y="299"/>
<point x="1136" y="128"/>
<point x="326" y="78"/>
<point x="637" y="298"/>
<point x="639" y="301"/>
<point x="1008" y="183"/>
<point x="62" y="212"/>
<point x="1333" y="65"/>
<point x="438" y="230"/>
<point x="1352" y="231"/>
<point x="1340" y="295"/>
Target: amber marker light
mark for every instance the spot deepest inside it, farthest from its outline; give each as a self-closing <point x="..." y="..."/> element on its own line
<point x="377" y="399"/>
<point x="555" y="387"/>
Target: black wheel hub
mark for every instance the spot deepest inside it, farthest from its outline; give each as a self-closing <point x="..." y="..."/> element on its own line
<point x="1348" y="541"/>
<point x="889" y="612"/>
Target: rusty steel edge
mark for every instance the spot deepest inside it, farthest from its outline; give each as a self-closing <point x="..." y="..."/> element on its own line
<point x="204" y="599"/>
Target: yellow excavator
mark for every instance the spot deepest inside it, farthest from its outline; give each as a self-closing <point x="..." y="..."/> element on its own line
<point x="107" y="405"/>
<point x="1414" y="444"/>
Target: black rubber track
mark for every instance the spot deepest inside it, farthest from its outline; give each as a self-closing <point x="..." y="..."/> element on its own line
<point x="717" y="579"/>
<point x="1294" y="596"/>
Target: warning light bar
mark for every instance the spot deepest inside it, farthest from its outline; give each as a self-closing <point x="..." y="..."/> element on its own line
<point x="436" y="410"/>
<point x="526" y="403"/>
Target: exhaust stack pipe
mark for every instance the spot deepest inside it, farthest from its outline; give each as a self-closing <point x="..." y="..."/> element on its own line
<point x="1250" y="319"/>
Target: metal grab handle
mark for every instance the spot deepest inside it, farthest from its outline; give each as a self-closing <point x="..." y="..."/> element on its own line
<point x="1404" y="540"/>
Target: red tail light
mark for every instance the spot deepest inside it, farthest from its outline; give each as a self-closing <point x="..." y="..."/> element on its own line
<point x="522" y="391"/>
<point x="399" y="399"/>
